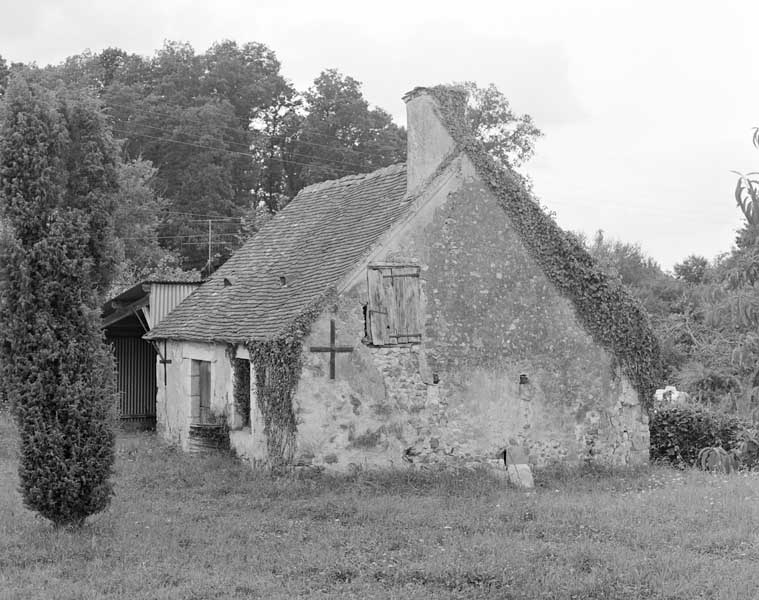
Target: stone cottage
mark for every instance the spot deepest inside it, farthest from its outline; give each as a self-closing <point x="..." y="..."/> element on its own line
<point x="428" y="312"/>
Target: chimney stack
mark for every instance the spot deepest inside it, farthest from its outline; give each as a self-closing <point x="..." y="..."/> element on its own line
<point x="429" y="141"/>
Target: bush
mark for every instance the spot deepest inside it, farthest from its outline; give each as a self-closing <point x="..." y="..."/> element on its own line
<point x="679" y="432"/>
<point x="57" y="184"/>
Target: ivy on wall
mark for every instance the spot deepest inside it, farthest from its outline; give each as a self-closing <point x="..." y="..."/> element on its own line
<point x="277" y="364"/>
<point x="611" y="315"/>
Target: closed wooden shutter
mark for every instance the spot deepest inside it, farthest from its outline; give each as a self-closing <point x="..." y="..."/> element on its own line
<point x="205" y="392"/>
<point x="405" y="322"/>
<point x="200" y="392"/>
<point x="377" y="310"/>
<point x="195" y="391"/>
<point x="394" y="304"/>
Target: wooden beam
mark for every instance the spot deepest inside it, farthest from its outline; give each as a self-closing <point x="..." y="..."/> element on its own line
<point x="123" y="310"/>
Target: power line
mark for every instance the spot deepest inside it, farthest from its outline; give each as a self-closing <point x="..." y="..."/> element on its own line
<point x="160" y="139"/>
<point x="225" y="221"/>
<point x="218" y="139"/>
<point x="223" y="141"/>
<point x="235" y="130"/>
<point x="204" y="147"/>
<point x="156" y="237"/>
<point x="205" y="217"/>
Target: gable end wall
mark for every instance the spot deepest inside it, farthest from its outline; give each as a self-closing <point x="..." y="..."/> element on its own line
<point x="491" y="315"/>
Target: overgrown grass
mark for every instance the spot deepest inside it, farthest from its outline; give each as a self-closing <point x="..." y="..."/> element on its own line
<point x="183" y="527"/>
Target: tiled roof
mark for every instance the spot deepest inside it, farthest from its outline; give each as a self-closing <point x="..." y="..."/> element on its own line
<point x="312" y="243"/>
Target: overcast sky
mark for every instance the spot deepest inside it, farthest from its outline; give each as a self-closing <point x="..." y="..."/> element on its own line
<point x="646" y="105"/>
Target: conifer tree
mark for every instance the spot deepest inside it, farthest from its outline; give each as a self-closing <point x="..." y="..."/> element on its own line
<point x="57" y="177"/>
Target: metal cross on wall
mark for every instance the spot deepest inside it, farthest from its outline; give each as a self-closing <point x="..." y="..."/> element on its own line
<point x="332" y="349"/>
<point x="163" y="360"/>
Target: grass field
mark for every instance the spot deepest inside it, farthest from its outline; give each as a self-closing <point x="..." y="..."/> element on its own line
<point x="182" y="527"/>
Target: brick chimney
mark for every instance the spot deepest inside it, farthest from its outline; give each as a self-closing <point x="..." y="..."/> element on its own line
<point x="429" y="142"/>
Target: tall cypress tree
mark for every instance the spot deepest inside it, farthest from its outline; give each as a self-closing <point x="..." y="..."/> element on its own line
<point x="57" y="178"/>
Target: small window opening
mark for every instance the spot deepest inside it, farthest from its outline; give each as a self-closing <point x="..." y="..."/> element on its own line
<point x="242" y="389"/>
<point x="523" y="379"/>
<point x="394" y="311"/>
<point x="200" y="392"/>
<point x="227" y="282"/>
<point x="283" y="281"/>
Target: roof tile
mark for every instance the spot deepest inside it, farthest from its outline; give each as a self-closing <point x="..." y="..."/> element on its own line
<point x="313" y="243"/>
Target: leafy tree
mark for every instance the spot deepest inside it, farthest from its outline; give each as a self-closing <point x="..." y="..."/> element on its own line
<point x="275" y="134"/>
<point x="742" y="266"/>
<point x="508" y="138"/>
<point x="190" y="115"/>
<point x="624" y="260"/>
<point x="4" y="74"/>
<point x="340" y="135"/>
<point x="694" y="269"/>
<point x="137" y="217"/>
<point x="58" y="175"/>
<point x="246" y="76"/>
<point x="718" y="328"/>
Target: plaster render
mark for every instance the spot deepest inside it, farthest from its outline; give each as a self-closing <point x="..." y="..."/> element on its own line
<point x="429" y="142"/>
<point x="491" y="316"/>
<point x="173" y="397"/>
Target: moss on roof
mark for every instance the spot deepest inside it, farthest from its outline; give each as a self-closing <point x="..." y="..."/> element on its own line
<point x="612" y="316"/>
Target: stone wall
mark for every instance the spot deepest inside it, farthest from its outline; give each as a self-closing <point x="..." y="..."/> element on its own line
<point x="492" y="319"/>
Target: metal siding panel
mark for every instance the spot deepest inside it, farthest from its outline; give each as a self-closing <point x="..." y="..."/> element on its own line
<point x="164" y="297"/>
<point x="136" y="383"/>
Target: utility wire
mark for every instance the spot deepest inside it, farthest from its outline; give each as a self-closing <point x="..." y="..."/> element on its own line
<point x="204" y="217"/>
<point x="155" y="237"/>
<point x="235" y="130"/>
<point x="223" y="141"/>
<point x="203" y="146"/>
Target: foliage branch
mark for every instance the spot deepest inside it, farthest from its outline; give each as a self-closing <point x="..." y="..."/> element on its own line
<point x="613" y="317"/>
<point x="681" y="431"/>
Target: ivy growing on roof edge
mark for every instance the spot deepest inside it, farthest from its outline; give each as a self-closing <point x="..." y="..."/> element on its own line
<point x="278" y="363"/>
<point x="613" y="317"/>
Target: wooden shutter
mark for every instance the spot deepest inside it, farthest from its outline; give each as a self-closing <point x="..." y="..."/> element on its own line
<point x="405" y="322"/>
<point x="195" y="391"/>
<point x="205" y="392"/>
<point x="377" y="309"/>
<point x="200" y="391"/>
<point x="393" y="311"/>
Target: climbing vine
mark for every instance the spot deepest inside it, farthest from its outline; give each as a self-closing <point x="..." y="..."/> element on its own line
<point x="278" y="363"/>
<point x="613" y="317"/>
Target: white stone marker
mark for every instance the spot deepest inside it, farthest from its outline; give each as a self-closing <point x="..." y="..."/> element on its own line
<point x="519" y="470"/>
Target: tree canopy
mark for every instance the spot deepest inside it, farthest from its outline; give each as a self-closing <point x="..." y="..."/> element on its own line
<point x="221" y="137"/>
<point x="508" y="138"/>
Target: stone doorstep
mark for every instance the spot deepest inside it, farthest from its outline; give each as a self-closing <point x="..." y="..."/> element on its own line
<point x="521" y="476"/>
<point x="518" y="474"/>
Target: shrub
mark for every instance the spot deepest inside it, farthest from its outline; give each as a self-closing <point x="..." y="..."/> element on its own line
<point x="57" y="179"/>
<point x="679" y="432"/>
